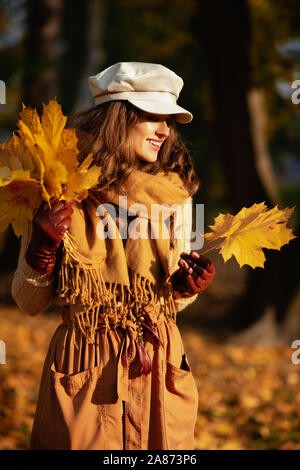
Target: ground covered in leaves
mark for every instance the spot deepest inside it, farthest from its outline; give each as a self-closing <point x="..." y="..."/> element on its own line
<point x="249" y="397"/>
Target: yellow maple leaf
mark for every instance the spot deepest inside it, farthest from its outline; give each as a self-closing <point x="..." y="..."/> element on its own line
<point x="21" y="186"/>
<point x="17" y="162"/>
<point x="53" y="122"/>
<point x="252" y="229"/>
<point x="57" y="149"/>
<point x="84" y="178"/>
<point x="36" y="163"/>
<point x="17" y="200"/>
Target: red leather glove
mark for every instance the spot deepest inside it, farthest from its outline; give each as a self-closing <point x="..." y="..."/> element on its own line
<point x="195" y="275"/>
<point x="48" y="228"/>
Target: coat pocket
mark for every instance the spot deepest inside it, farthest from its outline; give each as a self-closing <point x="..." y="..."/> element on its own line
<point x="72" y="384"/>
<point x="76" y="411"/>
<point x="181" y="405"/>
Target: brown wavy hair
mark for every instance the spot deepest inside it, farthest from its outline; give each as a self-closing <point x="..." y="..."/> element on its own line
<point x="104" y="130"/>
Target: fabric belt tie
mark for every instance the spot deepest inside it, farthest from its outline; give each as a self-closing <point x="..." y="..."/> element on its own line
<point x="145" y="326"/>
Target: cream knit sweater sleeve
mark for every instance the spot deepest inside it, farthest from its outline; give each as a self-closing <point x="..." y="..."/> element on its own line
<point x="32" y="291"/>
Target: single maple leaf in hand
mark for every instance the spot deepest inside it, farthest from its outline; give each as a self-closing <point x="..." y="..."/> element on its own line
<point x="252" y="229"/>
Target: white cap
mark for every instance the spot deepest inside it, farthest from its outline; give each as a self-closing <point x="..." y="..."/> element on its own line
<point x="150" y="87"/>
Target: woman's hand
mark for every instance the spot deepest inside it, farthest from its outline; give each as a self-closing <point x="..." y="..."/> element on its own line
<point x="194" y="275"/>
<point x="48" y="229"/>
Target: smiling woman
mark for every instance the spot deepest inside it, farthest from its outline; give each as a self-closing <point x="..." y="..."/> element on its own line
<point x="148" y="135"/>
<point x="116" y="132"/>
<point x="116" y="375"/>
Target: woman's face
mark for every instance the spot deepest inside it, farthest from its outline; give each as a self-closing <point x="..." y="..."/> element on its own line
<point x="148" y="135"/>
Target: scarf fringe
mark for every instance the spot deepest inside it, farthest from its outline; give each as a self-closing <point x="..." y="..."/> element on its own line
<point x="77" y="284"/>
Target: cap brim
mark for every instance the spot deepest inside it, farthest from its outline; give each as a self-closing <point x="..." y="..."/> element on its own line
<point x="158" y="107"/>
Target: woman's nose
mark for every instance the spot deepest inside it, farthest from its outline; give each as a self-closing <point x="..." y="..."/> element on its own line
<point x="163" y="129"/>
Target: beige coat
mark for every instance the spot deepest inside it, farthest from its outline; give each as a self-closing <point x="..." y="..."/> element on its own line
<point x="93" y="397"/>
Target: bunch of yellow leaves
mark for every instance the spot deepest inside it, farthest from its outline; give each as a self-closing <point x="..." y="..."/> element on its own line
<point x="245" y="234"/>
<point x="36" y="163"/>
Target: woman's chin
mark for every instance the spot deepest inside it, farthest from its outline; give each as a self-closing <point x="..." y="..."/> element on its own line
<point x="148" y="158"/>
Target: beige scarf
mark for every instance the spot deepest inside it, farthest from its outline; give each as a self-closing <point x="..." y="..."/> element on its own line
<point x="100" y="279"/>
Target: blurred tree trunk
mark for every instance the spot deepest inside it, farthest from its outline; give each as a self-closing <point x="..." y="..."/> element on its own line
<point x="226" y="35"/>
<point x="40" y="81"/>
<point x="42" y="52"/>
<point x="94" y="57"/>
<point x="83" y="56"/>
<point x="56" y="29"/>
<point x="258" y="124"/>
<point x="225" y="31"/>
